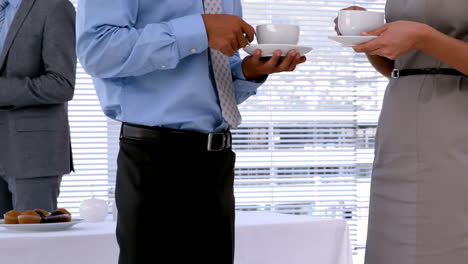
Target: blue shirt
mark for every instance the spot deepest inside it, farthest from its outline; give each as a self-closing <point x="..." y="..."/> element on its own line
<point x="150" y="65"/>
<point x="10" y="12"/>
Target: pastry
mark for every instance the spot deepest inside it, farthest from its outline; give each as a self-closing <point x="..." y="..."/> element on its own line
<point x="64" y="211"/>
<point x="37" y="216"/>
<point x="29" y="217"/>
<point x="11" y="217"/>
<point x="57" y="217"/>
<point x="42" y="212"/>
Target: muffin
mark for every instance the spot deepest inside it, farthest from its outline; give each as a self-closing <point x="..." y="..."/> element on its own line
<point x="29" y="217"/>
<point x="11" y="217"/>
<point x="42" y="212"/>
<point x="63" y="210"/>
<point x="58" y="216"/>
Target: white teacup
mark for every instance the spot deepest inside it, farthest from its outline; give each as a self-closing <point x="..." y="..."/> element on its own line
<point x="353" y="22"/>
<point x="277" y="34"/>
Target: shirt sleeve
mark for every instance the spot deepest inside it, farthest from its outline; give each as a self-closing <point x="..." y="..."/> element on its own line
<point x="243" y="88"/>
<point x="110" y="45"/>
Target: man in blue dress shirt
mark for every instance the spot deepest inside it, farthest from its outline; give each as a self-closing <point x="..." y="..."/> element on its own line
<point x="170" y="72"/>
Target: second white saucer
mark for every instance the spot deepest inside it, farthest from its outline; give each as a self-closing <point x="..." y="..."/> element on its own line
<point x="269" y="49"/>
<point x="349" y="41"/>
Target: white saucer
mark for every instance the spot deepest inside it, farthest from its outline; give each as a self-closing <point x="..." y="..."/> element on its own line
<point x="269" y="49"/>
<point x="349" y="41"/>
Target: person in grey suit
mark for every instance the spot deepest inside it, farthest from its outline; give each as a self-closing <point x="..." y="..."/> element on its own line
<point x="37" y="79"/>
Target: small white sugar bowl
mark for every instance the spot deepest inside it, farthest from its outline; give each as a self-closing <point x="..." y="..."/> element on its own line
<point x="94" y="210"/>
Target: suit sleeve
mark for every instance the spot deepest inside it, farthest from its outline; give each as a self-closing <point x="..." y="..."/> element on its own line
<point x="56" y="84"/>
<point x="111" y="45"/>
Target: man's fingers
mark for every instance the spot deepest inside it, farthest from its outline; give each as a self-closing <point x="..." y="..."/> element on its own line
<point x="292" y="67"/>
<point x="276" y="63"/>
<point x="294" y="63"/>
<point x="298" y="60"/>
<point x="241" y="40"/>
<point x="248" y="30"/>
<point x="269" y="64"/>
<point x="273" y="61"/>
<point x="301" y="60"/>
<point x="287" y="61"/>
<point x="234" y="45"/>
<point x="257" y="56"/>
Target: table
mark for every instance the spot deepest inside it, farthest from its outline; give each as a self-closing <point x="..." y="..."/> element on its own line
<point x="261" y="238"/>
<point x="269" y="238"/>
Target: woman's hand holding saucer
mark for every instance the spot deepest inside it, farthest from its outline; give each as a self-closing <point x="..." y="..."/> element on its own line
<point x="394" y="39"/>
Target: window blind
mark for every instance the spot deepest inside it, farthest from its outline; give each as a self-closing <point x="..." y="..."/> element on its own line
<point x="307" y="138"/>
<point x="95" y="146"/>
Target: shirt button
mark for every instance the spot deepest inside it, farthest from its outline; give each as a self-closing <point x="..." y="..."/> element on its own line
<point x="163" y="66"/>
<point x="193" y="50"/>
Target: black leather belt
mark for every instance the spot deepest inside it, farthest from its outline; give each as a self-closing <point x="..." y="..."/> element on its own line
<point x="396" y="73"/>
<point x="183" y="139"/>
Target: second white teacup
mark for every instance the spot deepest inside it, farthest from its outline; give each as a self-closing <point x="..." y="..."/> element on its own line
<point x="353" y="22"/>
<point x="277" y="34"/>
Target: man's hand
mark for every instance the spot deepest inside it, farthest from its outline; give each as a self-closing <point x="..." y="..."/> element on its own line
<point x="256" y="67"/>
<point x="227" y="33"/>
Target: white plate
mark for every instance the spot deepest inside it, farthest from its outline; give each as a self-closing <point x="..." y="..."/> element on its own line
<point x="269" y="49"/>
<point x="41" y="227"/>
<point x="349" y="41"/>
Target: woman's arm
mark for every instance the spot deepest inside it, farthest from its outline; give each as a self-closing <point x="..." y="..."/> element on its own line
<point x="382" y="64"/>
<point x="398" y="38"/>
<point x="451" y="51"/>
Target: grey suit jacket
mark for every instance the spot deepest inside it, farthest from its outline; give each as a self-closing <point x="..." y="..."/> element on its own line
<point x="37" y="79"/>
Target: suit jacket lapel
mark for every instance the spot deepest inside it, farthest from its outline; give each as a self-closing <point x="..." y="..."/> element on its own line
<point x="20" y="16"/>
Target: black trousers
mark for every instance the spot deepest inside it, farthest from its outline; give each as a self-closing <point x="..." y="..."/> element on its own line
<point x="175" y="203"/>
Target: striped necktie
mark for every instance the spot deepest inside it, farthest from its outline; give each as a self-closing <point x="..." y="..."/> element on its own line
<point x="3" y="5"/>
<point x="223" y="76"/>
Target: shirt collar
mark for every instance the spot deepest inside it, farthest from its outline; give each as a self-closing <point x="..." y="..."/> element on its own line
<point x="15" y="3"/>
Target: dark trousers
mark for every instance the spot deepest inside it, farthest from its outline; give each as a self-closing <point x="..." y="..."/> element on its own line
<point x="175" y="203"/>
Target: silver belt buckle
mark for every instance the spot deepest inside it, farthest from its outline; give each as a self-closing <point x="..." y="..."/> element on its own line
<point x="221" y="139"/>
<point x="395" y="74"/>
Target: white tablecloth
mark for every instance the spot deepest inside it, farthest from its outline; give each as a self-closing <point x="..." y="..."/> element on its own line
<point x="261" y="238"/>
<point x="267" y="238"/>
